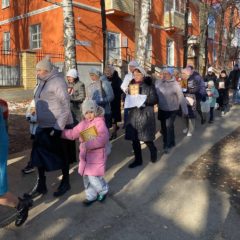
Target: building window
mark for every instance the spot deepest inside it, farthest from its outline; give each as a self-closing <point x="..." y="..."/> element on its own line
<point x="175" y="5"/>
<point x="113" y="47"/>
<point x="149" y="49"/>
<point x="5" y="3"/>
<point x="170" y="53"/>
<point x="211" y="27"/>
<point x="35" y="36"/>
<point x="6" y="41"/>
<point x="225" y="32"/>
<point x="190" y="17"/>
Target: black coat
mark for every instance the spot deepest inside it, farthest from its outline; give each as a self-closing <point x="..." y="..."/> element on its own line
<point x="223" y="98"/>
<point x="234" y="78"/>
<point x="141" y="124"/>
<point x="51" y="153"/>
<point x="116" y="103"/>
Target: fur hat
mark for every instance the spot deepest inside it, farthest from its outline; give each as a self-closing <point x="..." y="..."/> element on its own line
<point x="141" y="70"/>
<point x="72" y="73"/>
<point x="95" y="71"/>
<point x="45" y="64"/>
<point x="89" y="106"/>
<point x="210" y="84"/>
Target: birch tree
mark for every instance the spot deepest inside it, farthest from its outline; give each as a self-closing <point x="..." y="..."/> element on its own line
<point x="69" y="35"/>
<point x="143" y="32"/>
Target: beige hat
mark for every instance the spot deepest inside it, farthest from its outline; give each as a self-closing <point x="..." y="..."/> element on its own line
<point x="89" y="106"/>
<point x="45" y="64"/>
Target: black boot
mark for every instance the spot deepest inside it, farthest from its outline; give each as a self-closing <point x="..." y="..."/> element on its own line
<point x="154" y="155"/>
<point x="135" y="164"/>
<point x="22" y="210"/>
<point x="39" y="188"/>
<point x="63" y="188"/>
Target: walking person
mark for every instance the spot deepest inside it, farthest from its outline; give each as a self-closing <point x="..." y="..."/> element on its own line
<point x="212" y="95"/>
<point x="211" y="76"/>
<point x="234" y="78"/>
<point x="170" y="98"/>
<point x="223" y="85"/>
<point x="100" y="90"/>
<point x="7" y="198"/>
<point x="31" y="117"/>
<point x="93" y="152"/>
<point x="115" y="80"/>
<point x="49" y="152"/>
<point x="124" y="86"/>
<point x="141" y="124"/>
<point x="76" y="90"/>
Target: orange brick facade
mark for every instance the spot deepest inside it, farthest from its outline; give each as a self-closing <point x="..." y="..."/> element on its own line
<point x="89" y="32"/>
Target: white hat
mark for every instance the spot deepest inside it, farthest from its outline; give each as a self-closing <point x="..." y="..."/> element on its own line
<point x="210" y="69"/>
<point x="133" y="63"/>
<point x="141" y="70"/>
<point x="72" y="73"/>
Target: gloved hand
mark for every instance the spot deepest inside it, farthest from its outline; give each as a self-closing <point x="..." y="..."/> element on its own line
<point x="28" y="119"/>
<point x="55" y="133"/>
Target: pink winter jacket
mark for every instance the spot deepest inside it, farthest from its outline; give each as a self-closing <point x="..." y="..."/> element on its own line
<point x="92" y="155"/>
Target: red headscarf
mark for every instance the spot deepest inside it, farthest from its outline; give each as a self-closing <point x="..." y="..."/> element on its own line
<point x="4" y="106"/>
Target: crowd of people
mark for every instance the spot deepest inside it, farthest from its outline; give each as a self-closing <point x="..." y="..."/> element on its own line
<point x="66" y="113"/>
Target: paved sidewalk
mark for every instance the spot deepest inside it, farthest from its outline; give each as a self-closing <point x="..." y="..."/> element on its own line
<point x="15" y="94"/>
<point x="150" y="202"/>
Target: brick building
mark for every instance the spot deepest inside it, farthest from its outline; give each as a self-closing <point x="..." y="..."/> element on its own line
<point x="36" y="27"/>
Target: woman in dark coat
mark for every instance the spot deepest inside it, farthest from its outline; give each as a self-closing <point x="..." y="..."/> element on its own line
<point x="116" y="82"/>
<point x="141" y="124"/>
<point x="223" y="85"/>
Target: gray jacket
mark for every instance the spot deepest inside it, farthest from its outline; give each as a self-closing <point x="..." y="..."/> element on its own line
<point x="170" y="96"/>
<point x="52" y="101"/>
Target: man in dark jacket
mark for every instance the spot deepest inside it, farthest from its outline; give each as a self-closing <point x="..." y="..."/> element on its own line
<point x="196" y="85"/>
<point x="234" y="77"/>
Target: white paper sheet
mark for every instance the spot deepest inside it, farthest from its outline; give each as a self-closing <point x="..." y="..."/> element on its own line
<point x="134" y="100"/>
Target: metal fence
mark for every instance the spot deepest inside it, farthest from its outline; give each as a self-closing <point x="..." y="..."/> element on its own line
<point x="9" y="68"/>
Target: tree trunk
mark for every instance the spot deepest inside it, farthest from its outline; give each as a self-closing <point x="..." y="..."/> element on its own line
<point x="137" y="15"/>
<point x="185" y="38"/>
<point x="223" y="9"/>
<point x="69" y="35"/>
<point x="203" y="29"/>
<point x="143" y="34"/>
<point x="230" y="35"/>
<point x="104" y="32"/>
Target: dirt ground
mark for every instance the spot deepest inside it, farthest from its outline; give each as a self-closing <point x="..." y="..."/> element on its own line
<point x="220" y="166"/>
<point x="19" y="135"/>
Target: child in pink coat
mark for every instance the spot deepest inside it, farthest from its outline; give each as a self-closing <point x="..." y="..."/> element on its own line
<point x="93" y="153"/>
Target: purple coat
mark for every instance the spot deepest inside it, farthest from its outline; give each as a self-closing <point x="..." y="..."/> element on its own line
<point x="92" y="154"/>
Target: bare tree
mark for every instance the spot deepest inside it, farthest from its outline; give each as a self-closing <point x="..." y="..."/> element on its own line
<point x="69" y="35"/>
<point x="104" y="31"/>
<point x="141" y="42"/>
<point x="185" y="38"/>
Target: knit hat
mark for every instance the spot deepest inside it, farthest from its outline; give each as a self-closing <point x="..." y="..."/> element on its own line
<point x="210" y="69"/>
<point x="95" y="71"/>
<point x="133" y="63"/>
<point x="89" y="106"/>
<point x="211" y="83"/>
<point x="170" y="70"/>
<point x="141" y="70"/>
<point x="45" y="64"/>
<point x="72" y="73"/>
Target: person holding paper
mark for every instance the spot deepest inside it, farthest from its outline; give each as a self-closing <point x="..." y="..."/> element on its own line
<point x="170" y="98"/>
<point x="223" y="85"/>
<point x="93" y="137"/>
<point x="141" y="125"/>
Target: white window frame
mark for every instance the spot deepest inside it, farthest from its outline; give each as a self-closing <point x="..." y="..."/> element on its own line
<point x="173" y="8"/>
<point x="6" y="41"/>
<point x="149" y="49"/>
<point x="190" y="17"/>
<point x="211" y="27"/>
<point x="170" y="52"/>
<point x="35" y="37"/>
<point x="5" y="3"/>
<point x="116" y="54"/>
